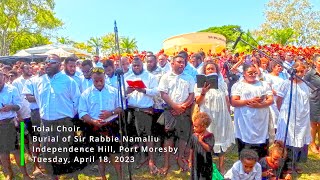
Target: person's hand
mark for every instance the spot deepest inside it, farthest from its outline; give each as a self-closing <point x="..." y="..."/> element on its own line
<point x="6" y="108"/>
<point x="142" y="90"/>
<point x="206" y="88"/>
<point x="130" y="90"/>
<point x="104" y="114"/>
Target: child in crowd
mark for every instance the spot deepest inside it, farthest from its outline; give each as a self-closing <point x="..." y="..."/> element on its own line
<point x="202" y="143"/>
<point x="299" y="135"/>
<point x="247" y="168"/>
<point x="271" y="165"/>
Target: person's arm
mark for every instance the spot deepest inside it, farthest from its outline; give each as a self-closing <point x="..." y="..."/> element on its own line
<point x="204" y="90"/>
<point x="237" y="102"/>
<point x="189" y="101"/>
<point x="279" y="102"/>
<point x="30" y="98"/>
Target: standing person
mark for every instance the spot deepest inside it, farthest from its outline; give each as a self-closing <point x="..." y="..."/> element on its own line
<point x="96" y="61"/>
<point x="97" y="103"/>
<point x="251" y="100"/>
<point x="10" y="103"/>
<point x="177" y="90"/>
<point x="58" y="103"/>
<point x="86" y="80"/>
<point x="111" y="78"/>
<point x="215" y="102"/>
<point x="202" y="142"/>
<point x="299" y="135"/>
<point x="125" y="66"/>
<point x="140" y="105"/>
<point x="313" y="76"/>
<point x="70" y="69"/>
<point x="232" y="75"/>
<point x="163" y="63"/>
<point x="196" y="61"/>
<point x="189" y="69"/>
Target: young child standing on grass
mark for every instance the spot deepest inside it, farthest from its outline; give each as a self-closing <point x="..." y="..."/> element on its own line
<point x="247" y="168"/>
<point x="271" y="165"/>
<point x="299" y="132"/>
<point x="202" y="142"/>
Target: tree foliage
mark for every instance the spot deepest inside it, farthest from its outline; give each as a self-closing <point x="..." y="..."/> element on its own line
<point x="297" y="15"/>
<point x="228" y="31"/>
<point x="128" y="45"/>
<point x="19" y="18"/>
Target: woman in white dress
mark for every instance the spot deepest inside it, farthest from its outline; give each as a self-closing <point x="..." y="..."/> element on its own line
<point x="251" y="99"/>
<point x="215" y="102"/>
<point x="299" y="132"/>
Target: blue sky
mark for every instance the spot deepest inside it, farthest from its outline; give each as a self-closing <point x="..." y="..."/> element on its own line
<point x="153" y="21"/>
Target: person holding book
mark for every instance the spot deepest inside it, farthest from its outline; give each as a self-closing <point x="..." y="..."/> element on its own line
<point x="141" y="88"/>
<point x="215" y="102"/>
<point x="99" y="106"/>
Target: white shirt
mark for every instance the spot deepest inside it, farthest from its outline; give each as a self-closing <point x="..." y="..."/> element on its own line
<point x="85" y="83"/>
<point x="166" y="68"/>
<point x="158" y="101"/>
<point x="251" y="123"/>
<point x="58" y="96"/>
<point x="178" y="87"/>
<point x="139" y="99"/>
<point x="113" y="81"/>
<point x="237" y="172"/>
<point x="29" y="88"/>
<point x="9" y="96"/>
<point x="24" y="111"/>
<point x="92" y="101"/>
<point x="128" y="73"/>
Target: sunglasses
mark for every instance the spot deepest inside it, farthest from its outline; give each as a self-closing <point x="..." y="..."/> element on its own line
<point x="252" y="73"/>
<point x="97" y="70"/>
<point x="51" y="61"/>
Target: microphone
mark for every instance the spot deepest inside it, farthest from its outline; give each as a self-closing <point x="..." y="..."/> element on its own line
<point x="118" y="72"/>
<point x="237" y="41"/>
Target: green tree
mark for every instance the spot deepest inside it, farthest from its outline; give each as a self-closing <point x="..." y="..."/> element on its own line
<point x="96" y="43"/>
<point x="228" y="31"/>
<point x="83" y="46"/>
<point x="18" y="17"/>
<point x="27" y="40"/>
<point x="108" y="43"/>
<point x="128" y="45"/>
<point x="282" y="36"/>
<point x="298" y="15"/>
<point x="65" y="40"/>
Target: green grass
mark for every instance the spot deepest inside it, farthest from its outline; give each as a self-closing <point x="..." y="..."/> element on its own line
<point x="311" y="170"/>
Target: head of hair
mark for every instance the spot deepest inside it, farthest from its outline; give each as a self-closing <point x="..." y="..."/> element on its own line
<point x="202" y="54"/>
<point x="87" y="62"/>
<point x="197" y="56"/>
<point x="277" y="146"/>
<point x="184" y="55"/>
<point x="108" y="63"/>
<point x="315" y="57"/>
<point x="55" y="57"/>
<point x="70" y="58"/>
<point x="22" y="65"/>
<point x="153" y="57"/>
<point x="203" y="117"/>
<point x="249" y="154"/>
<point x="299" y="64"/>
<point x="136" y="59"/>
<point x="273" y="64"/>
<point x="13" y="72"/>
<point x="215" y="65"/>
<point x="245" y="67"/>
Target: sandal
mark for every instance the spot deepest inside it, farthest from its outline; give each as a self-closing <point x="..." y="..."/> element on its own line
<point x="298" y="170"/>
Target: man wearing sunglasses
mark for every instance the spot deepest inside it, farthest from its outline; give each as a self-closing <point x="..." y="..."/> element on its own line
<point x="86" y="80"/>
<point x="58" y="96"/>
<point x="99" y="108"/>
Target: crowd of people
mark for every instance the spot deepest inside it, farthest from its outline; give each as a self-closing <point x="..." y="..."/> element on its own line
<point x="248" y="108"/>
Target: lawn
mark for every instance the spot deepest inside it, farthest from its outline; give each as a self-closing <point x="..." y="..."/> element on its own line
<point x="311" y="170"/>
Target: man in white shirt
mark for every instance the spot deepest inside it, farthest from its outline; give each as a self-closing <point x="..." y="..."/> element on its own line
<point x="86" y="80"/>
<point x="58" y="102"/>
<point x="177" y="90"/>
<point x="189" y="69"/>
<point x="96" y="62"/>
<point x="98" y="103"/>
<point x="10" y="103"/>
<point x="163" y="63"/>
<point x="70" y="69"/>
<point x="140" y="105"/>
<point x="125" y="66"/>
<point x="111" y="78"/>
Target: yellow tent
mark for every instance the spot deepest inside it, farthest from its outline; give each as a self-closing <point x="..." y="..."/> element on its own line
<point x="195" y="42"/>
